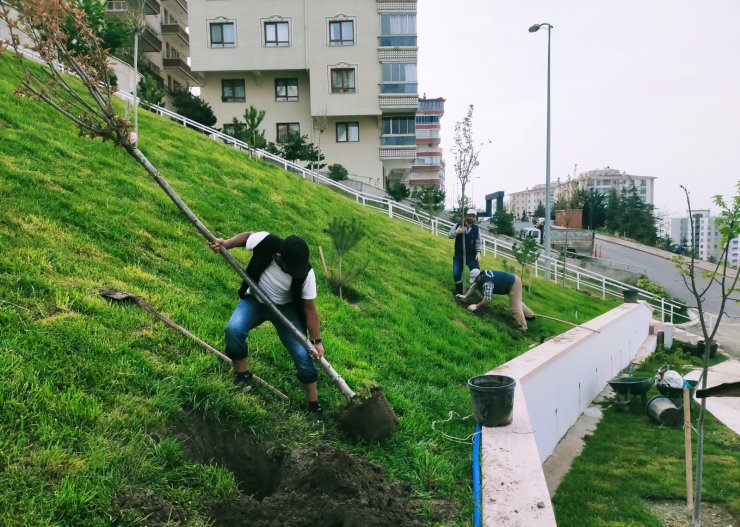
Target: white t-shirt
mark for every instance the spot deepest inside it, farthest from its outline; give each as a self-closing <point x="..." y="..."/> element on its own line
<point x="275" y="282"/>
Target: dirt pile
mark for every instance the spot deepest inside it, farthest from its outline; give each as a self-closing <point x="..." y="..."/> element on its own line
<point x="323" y="487"/>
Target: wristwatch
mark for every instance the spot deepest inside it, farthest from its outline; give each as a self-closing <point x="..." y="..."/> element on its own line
<point x="316" y="341"/>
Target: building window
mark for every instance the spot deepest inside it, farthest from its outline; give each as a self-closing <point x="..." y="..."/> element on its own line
<point x="285" y="130"/>
<point x="348" y="132"/>
<point x="343" y="80"/>
<point x="277" y="34"/>
<point x="399" y="131"/>
<point x="223" y="34"/>
<point x="286" y="90"/>
<point x="341" y="33"/>
<point x="232" y="90"/>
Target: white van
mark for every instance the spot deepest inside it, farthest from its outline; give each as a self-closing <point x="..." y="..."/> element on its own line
<point x="531" y="232"/>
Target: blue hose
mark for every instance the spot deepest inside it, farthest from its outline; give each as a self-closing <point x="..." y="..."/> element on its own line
<point x="476" y="477"/>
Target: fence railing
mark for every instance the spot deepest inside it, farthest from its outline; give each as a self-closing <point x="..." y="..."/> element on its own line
<point x="560" y="272"/>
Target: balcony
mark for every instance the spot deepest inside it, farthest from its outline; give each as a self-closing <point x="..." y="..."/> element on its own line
<point x="149" y="41"/>
<point x="176" y="6"/>
<point x="176" y="35"/>
<point x="390" y="104"/>
<point x="179" y="67"/>
<point x="397" y="41"/>
<point x="400" y="152"/>
<point x="400" y="87"/>
<point x="119" y="8"/>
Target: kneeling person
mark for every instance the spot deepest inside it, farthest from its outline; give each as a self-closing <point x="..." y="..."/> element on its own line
<point x="491" y="283"/>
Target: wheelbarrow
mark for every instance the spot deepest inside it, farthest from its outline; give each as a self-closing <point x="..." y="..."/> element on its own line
<point x="676" y="394"/>
<point x="627" y="387"/>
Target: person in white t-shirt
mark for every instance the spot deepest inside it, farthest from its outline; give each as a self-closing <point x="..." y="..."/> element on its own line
<point x="281" y="270"/>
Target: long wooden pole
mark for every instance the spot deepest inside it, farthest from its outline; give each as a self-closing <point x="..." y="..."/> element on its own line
<point x="687" y="447"/>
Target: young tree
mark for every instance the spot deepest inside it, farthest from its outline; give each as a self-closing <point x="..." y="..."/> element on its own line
<point x="429" y="198"/>
<point x="254" y="137"/>
<point x="397" y="190"/>
<point x="465" y="152"/>
<point x="726" y="279"/>
<point x="539" y="210"/>
<point x="149" y="90"/>
<point x="345" y="235"/>
<point x="503" y="222"/>
<point x="193" y="107"/>
<point x="526" y="253"/>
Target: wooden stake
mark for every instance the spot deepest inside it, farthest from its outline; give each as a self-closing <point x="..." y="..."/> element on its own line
<point x="687" y="447"/>
<point x="323" y="262"/>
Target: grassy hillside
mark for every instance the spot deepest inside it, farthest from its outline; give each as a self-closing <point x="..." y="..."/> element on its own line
<point x="91" y="391"/>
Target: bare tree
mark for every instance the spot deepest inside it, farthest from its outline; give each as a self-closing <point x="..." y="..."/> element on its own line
<point x="726" y="279"/>
<point x="466" y="152"/>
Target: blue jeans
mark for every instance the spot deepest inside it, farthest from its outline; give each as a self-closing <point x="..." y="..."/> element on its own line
<point x="457" y="269"/>
<point x="250" y="313"/>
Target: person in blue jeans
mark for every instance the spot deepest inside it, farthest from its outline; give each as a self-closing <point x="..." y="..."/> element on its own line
<point x="281" y="270"/>
<point x="491" y="283"/>
<point x="467" y="235"/>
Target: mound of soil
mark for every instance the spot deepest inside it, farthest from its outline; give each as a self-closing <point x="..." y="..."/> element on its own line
<point x="323" y="487"/>
<point x="131" y="505"/>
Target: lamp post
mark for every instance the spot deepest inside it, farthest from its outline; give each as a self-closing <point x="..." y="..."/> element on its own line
<point x="548" y="198"/>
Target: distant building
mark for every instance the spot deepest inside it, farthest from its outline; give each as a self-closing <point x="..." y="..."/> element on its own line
<point x="526" y="201"/>
<point x="605" y="179"/>
<point x="706" y="236"/>
<point x="428" y="169"/>
<point x="342" y="73"/>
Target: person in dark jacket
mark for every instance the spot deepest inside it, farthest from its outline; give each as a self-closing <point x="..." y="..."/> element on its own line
<point x="499" y="283"/>
<point x="281" y="270"/>
<point x="469" y="235"/>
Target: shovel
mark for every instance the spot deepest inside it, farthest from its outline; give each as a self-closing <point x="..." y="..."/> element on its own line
<point x="121" y="296"/>
<point x="372" y="418"/>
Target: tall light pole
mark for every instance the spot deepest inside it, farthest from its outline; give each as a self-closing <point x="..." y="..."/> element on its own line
<point x="548" y="198"/>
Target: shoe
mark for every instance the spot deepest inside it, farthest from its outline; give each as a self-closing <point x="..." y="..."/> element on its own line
<point x="316" y="414"/>
<point x="243" y="380"/>
<point x="524" y="330"/>
<point x="531" y="318"/>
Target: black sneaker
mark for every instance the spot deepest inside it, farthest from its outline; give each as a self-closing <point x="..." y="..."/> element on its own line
<point x="243" y="379"/>
<point x="315" y="413"/>
<point x="531" y="318"/>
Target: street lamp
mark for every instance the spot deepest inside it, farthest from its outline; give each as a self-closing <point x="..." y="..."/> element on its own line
<point x="548" y="199"/>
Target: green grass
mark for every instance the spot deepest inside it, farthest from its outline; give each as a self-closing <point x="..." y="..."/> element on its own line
<point x="630" y="459"/>
<point x="88" y="387"/>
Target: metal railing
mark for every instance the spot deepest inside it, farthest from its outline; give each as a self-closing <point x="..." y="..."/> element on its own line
<point x="560" y="272"/>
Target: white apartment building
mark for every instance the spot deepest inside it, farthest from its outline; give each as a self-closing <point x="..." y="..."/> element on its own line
<point x="605" y="179"/>
<point x="342" y="73"/>
<point x="733" y="258"/>
<point x="706" y="237"/>
<point x="526" y="201"/>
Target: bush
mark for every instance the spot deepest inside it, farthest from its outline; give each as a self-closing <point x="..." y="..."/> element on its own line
<point x="337" y="172"/>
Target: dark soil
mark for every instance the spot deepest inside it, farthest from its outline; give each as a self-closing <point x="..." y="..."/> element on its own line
<point x="316" y="487"/>
<point x="372" y="419"/>
<point x="349" y="295"/>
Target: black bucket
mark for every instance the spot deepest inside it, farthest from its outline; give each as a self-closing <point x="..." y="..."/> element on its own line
<point x="630" y="296"/>
<point x="493" y="399"/>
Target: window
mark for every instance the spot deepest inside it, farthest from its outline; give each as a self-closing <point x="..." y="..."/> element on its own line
<point x="348" y="132"/>
<point x="343" y="80"/>
<point x="232" y="90"/>
<point x="428" y="119"/>
<point x="341" y="33"/>
<point x="223" y="34"/>
<point x="286" y="90"/>
<point x="402" y="128"/>
<point x="398" y="24"/>
<point x="285" y="130"/>
<point x="277" y="34"/>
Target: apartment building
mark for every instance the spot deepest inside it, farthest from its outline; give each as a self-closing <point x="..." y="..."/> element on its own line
<point x="428" y="168"/>
<point x="342" y="73"/>
<point x="164" y="43"/>
<point x="605" y="179"/>
<point x="705" y="236"/>
<point x="526" y="201"/>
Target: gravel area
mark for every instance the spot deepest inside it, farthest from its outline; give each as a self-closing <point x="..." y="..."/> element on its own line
<point x="674" y="514"/>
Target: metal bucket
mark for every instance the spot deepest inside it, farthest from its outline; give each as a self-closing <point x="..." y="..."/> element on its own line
<point x="493" y="399"/>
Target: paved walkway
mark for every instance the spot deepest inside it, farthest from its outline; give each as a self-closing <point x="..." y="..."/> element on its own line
<point x="726" y="409"/>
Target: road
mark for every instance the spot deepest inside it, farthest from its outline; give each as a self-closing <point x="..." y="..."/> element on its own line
<point x="662" y="271"/>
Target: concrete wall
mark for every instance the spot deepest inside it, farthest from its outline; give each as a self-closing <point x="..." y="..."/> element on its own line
<point x="556" y="381"/>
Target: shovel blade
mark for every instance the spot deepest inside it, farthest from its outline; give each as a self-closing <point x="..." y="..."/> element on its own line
<point x="373" y="419"/>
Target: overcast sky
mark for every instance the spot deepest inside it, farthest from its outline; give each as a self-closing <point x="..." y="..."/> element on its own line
<point x="649" y="87"/>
